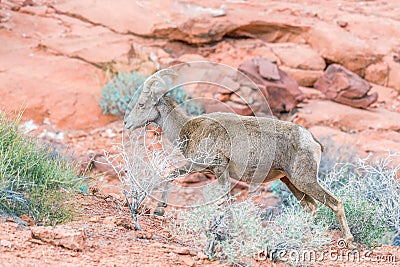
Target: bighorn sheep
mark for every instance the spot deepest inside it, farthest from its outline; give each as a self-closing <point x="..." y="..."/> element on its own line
<point x="247" y="147"/>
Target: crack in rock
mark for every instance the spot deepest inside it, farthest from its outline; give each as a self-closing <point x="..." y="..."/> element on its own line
<point x="85" y="20"/>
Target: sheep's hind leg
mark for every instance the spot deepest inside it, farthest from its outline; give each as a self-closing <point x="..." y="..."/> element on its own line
<point x="306" y="180"/>
<point x="336" y="205"/>
<point x="307" y="202"/>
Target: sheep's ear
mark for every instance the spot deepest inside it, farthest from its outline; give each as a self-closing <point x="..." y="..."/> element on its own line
<point x="159" y="91"/>
<point x="156" y="85"/>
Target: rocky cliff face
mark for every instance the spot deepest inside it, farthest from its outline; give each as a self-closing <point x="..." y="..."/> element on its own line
<point x="55" y="57"/>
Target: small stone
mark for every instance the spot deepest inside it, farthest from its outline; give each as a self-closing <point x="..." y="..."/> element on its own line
<point x="343" y="86"/>
<point x="60" y="236"/>
<point x="280" y="89"/>
<point x="202" y="256"/>
<point x="29" y="220"/>
<point x="149" y="235"/>
<point x="182" y="251"/>
<point x="139" y="235"/>
<point x="125" y="222"/>
<point x="114" y="196"/>
<point x="187" y="260"/>
<point x="223" y="97"/>
<point x="5" y="243"/>
<point x="238" y="99"/>
<point x="342" y="23"/>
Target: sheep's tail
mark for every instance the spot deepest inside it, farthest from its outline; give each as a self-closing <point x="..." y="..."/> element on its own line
<point x="315" y="139"/>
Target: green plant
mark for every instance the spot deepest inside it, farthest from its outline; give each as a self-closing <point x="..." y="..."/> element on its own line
<point x="185" y="101"/>
<point x="235" y="231"/>
<point x="334" y="154"/>
<point x="126" y="87"/>
<point x="295" y="230"/>
<point x="362" y="216"/>
<point x="369" y="190"/>
<point x="33" y="179"/>
<point x="118" y="92"/>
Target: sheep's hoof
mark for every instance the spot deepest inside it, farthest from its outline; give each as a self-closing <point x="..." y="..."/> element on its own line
<point x="351" y="246"/>
<point x="159" y="211"/>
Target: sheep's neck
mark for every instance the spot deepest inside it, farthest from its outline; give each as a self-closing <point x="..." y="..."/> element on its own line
<point x="171" y="118"/>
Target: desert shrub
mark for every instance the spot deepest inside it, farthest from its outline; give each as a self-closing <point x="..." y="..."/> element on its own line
<point x="294" y="231"/>
<point x="334" y="154"/>
<point x="370" y="192"/>
<point x="235" y="231"/>
<point x="34" y="180"/>
<point x="142" y="168"/>
<point x="117" y="94"/>
<point x="185" y="101"/>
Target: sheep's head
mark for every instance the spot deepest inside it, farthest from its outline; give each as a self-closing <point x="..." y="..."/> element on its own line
<point x="145" y="109"/>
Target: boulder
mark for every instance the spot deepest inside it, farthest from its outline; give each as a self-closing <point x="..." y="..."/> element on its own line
<point x="377" y="73"/>
<point x="345" y="118"/>
<point x="339" y="46"/>
<point x="298" y="56"/>
<point x="345" y="87"/>
<point x="389" y="98"/>
<point x="393" y="61"/>
<point x="281" y="91"/>
<point x="384" y="34"/>
<point x="305" y="78"/>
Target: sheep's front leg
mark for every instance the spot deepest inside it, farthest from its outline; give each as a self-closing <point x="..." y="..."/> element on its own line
<point x="188" y="168"/>
<point x="222" y="173"/>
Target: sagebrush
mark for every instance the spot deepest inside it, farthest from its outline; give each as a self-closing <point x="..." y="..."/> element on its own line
<point x="236" y="232"/>
<point x="124" y="86"/>
<point x="143" y="168"/>
<point x="369" y="190"/>
<point x="34" y="179"/>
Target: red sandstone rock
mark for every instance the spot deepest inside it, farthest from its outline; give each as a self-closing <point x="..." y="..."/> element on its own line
<point x="377" y="73"/>
<point x="394" y="70"/>
<point x="329" y="113"/>
<point x="192" y="178"/>
<point x="346" y="87"/>
<point x="297" y="56"/>
<point x="305" y="78"/>
<point x="60" y="236"/>
<point x="283" y="92"/>
<point x="337" y="45"/>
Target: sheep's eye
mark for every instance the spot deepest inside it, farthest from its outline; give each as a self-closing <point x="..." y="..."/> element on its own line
<point x="141" y="105"/>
